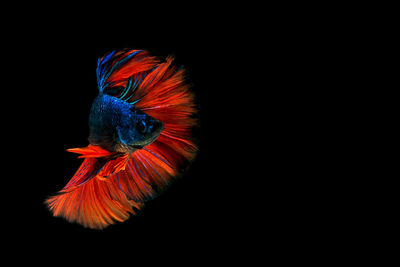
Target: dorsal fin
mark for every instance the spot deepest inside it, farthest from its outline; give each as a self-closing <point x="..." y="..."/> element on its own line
<point x="120" y="73"/>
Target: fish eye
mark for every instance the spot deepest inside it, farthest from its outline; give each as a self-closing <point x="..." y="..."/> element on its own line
<point x="142" y="127"/>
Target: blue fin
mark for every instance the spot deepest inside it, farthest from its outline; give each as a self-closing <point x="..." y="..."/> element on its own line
<point x="108" y="65"/>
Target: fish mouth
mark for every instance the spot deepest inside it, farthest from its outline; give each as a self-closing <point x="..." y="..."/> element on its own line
<point x="148" y="141"/>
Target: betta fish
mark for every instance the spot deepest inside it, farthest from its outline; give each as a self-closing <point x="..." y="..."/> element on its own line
<point x="140" y="137"/>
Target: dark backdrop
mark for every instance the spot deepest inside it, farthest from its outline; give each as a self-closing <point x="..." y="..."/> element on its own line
<point x="202" y="205"/>
<point x="240" y="189"/>
<point x="262" y="82"/>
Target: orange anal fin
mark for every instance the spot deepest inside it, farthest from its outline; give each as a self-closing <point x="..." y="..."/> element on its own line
<point x="96" y="205"/>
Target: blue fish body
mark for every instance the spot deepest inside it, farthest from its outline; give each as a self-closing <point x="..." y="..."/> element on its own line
<point x="118" y="126"/>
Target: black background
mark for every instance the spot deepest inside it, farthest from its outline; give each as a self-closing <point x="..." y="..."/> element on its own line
<point x="269" y="175"/>
<point x="234" y="194"/>
<point x="209" y="203"/>
<point x="247" y="190"/>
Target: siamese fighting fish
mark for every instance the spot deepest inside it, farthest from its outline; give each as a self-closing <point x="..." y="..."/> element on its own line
<point x="140" y="138"/>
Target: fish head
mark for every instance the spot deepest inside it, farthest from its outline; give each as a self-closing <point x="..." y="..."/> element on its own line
<point x="142" y="130"/>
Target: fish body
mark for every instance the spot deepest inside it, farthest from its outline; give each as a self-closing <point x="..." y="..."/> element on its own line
<point x="118" y="126"/>
<point x="140" y="137"/>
